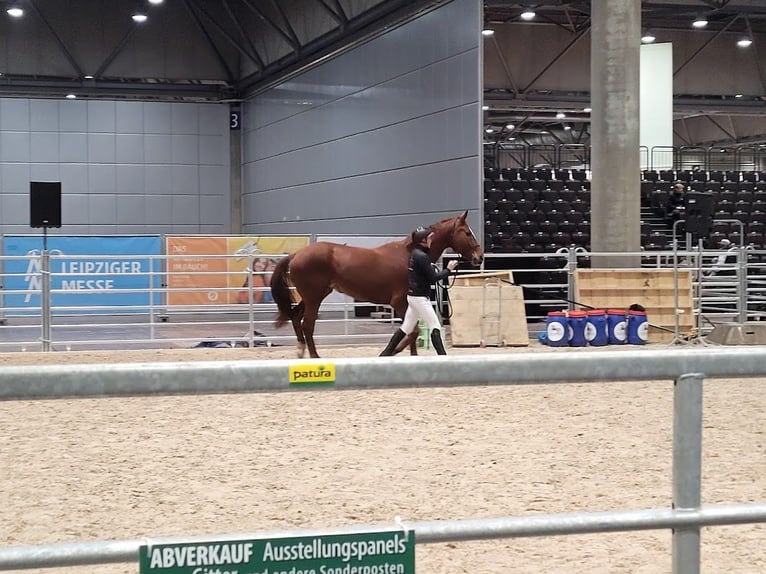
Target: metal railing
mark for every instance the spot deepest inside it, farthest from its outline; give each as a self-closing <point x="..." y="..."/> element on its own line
<point x="567" y="156"/>
<point x="687" y="368"/>
<point x="722" y="293"/>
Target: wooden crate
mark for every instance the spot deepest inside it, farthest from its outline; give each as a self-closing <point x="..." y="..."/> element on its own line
<point x="652" y="288"/>
<point x="487" y="309"/>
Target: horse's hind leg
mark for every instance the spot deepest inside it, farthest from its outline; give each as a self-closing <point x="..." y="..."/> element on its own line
<point x="310" y="314"/>
<point x="297" y="319"/>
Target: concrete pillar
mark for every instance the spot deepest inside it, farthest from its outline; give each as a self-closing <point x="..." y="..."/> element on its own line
<point x="235" y="169"/>
<point x="615" y="182"/>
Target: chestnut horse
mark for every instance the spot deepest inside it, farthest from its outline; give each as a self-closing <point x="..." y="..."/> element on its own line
<point x="377" y="275"/>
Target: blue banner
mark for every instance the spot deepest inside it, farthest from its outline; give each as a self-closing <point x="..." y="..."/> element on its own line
<point x="86" y="271"/>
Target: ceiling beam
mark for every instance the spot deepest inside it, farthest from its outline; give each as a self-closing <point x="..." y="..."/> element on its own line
<point x="201" y="27"/>
<point x="254" y="7"/>
<point x="67" y="54"/>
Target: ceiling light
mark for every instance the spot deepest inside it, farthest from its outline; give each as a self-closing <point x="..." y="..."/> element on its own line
<point x="510" y="126"/>
<point x="561" y="115"/>
<point x="567" y="128"/>
<point x="70" y="97"/>
<point x="139" y="17"/>
<point x="699" y="22"/>
<point x="88" y="77"/>
<point x="489" y="130"/>
<point x="744" y="42"/>
<point x="487" y="32"/>
<point x="155" y="1"/>
<point x="587" y="110"/>
<point x="511" y="139"/>
<point x="15" y="11"/>
<point x="738" y="96"/>
<point x="647" y="38"/>
<point x="528" y="14"/>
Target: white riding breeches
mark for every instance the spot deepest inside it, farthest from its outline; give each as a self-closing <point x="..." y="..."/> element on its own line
<point x="419" y="308"/>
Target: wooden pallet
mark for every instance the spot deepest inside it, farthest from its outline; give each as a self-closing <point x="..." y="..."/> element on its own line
<point x="488" y="310"/>
<point x="651" y="288"/>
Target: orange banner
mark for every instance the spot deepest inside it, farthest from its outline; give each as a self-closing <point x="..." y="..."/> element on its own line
<point x="213" y="270"/>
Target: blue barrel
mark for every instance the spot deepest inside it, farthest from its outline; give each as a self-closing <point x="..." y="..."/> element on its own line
<point x="638" y="328"/>
<point x="577" y="321"/>
<point x="616" y="327"/>
<point x="595" y="329"/>
<point x="557" y="329"/>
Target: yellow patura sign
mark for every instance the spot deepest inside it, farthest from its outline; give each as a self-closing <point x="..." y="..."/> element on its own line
<point x="312" y="374"/>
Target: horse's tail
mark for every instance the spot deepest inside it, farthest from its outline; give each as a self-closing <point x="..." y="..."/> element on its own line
<point x="280" y="291"/>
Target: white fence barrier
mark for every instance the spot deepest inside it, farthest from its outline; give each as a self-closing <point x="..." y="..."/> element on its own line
<point x="686" y="367"/>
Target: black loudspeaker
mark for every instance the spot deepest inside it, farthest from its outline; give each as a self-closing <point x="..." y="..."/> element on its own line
<point x="699" y="213"/>
<point x="45" y="204"/>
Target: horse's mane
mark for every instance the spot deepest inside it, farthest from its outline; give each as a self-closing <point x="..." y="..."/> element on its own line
<point x="408" y="239"/>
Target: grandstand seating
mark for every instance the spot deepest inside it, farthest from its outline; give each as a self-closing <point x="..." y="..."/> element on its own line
<point x="540" y="210"/>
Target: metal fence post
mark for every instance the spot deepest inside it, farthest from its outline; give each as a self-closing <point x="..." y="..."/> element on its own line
<point x="687" y="468"/>
<point x="45" y="299"/>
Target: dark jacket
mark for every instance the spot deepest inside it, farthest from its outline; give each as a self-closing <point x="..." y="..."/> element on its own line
<point x="422" y="273"/>
<point x="675" y="201"/>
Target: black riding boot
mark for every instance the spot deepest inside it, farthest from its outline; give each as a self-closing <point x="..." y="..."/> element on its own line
<point x="436" y="341"/>
<point x="395" y="340"/>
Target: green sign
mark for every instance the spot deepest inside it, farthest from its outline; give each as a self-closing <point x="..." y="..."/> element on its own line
<point x="365" y="553"/>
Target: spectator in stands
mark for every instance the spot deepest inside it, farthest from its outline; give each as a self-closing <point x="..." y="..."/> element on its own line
<point x="726" y="262"/>
<point x="674" y="208"/>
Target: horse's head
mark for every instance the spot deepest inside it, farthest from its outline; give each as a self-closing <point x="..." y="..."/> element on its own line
<point x="456" y="234"/>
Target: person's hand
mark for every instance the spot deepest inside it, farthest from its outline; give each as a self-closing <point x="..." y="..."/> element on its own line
<point x="452" y="264"/>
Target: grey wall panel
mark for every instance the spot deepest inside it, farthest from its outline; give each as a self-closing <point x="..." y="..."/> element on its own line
<point x="428" y="139"/>
<point x="184" y="119"/>
<point x="15" y="178"/>
<point x="184" y="149"/>
<point x="74" y="178"/>
<point x="101" y="148"/>
<point x="211" y="180"/>
<point x="211" y="150"/>
<point x="101" y="117"/>
<point x="44" y="115"/>
<point x="44" y="147"/>
<point x="129" y="181"/>
<point x="158" y="148"/>
<point x="129" y="117"/>
<point x="73" y="147"/>
<point x="125" y="167"/>
<point x="157" y="118"/>
<point x="212" y="210"/>
<point x="159" y="211"/>
<point x="74" y="209"/>
<point x="14" y="114"/>
<point x="44" y="172"/>
<point x="375" y="140"/>
<point x="73" y="116"/>
<point x="102" y="178"/>
<point x="15" y="203"/>
<point x="14" y="146"/>
<point x="404" y="191"/>
<point x="158" y="179"/>
<point x="130" y="209"/>
<point x="415" y="45"/>
<point x="129" y="148"/>
<point x="103" y="209"/>
<point x="185" y="210"/>
<point x="445" y="84"/>
<point x="185" y="180"/>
